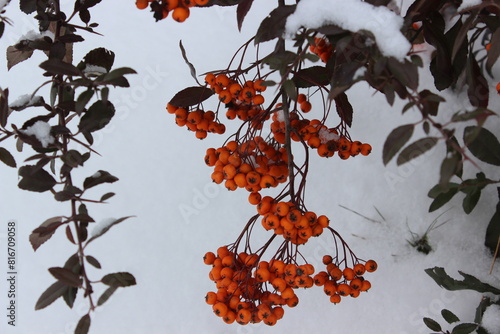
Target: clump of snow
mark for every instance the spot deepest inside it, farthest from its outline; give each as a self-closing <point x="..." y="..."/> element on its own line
<point x="96" y="175"/>
<point x="326" y="135"/>
<point x="41" y="130"/>
<point x="101" y="226"/>
<point x="33" y="35"/>
<point x="491" y="319"/>
<point x="25" y="100"/>
<point x="468" y="4"/>
<point x="94" y="70"/>
<point x="280" y="116"/>
<point x="353" y="15"/>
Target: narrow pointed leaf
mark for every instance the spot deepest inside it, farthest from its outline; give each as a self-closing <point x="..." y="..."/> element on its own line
<point x="83" y="325"/>
<point x="50" y="295"/>
<point x="7" y="158"/>
<point x="416" y="149"/>
<point x="191" y="96"/>
<point x="121" y="279"/>
<point x="395" y="141"/>
<point x="66" y="276"/>
<point x="483" y="144"/>
<point x="99" y="178"/>
<point x="432" y="324"/>
<point x="106" y="294"/>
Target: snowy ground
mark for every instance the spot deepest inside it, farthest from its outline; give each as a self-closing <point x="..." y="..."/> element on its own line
<point x="180" y="214"/>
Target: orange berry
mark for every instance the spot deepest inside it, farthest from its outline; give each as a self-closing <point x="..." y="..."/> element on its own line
<point x="201" y="2"/>
<point x="209" y="258"/>
<point x="359" y="269"/>
<point x="306" y="106"/>
<point x="209" y="78"/>
<point x="142" y="4"/>
<point x="365" y="285"/>
<point x="217" y="177"/>
<point x="201" y="134"/>
<point x="371" y="266"/>
<point x="254" y="198"/>
<point x="301" y="98"/>
<point x="180" y="14"/>
<point x="220" y="309"/>
<point x="240" y="180"/>
<point x="344" y="289"/>
<point x="366" y="149"/>
<point x="335" y="299"/>
<point x="222" y="80"/>
<point x="327" y="259"/>
<point x="348" y="274"/>
<point x="253" y="178"/>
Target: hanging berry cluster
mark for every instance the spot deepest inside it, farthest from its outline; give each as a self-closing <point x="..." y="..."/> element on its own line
<point x="161" y="8"/>
<point x="251" y="285"/>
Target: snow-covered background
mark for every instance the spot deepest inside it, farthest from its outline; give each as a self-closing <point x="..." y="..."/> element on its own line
<point x="180" y="214"/>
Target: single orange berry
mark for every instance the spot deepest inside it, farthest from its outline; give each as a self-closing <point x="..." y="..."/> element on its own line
<point x="142" y="4"/>
<point x="180" y="14"/>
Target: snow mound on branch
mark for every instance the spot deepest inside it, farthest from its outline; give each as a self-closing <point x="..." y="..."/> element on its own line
<point x="491" y="319"/>
<point x="353" y="15"/>
<point x="41" y="130"/>
<point x="467" y="4"/>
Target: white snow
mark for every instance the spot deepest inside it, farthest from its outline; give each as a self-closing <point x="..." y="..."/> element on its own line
<point x="41" y="130"/>
<point x="96" y="175"/>
<point x="325" y="135"/>
<point x="468" y="3"/>
<point x="491" y="319"/>
<point x="353" y="15"/>
<point x="94" y="70"/>
<point x="101" y="226"/>
<point x="25" y="100"/>
<point x="182" y="214"/>
<point x="33" y="35"/>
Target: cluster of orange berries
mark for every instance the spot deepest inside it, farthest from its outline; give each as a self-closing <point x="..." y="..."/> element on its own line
<point x="243" y="100"/>
<point x="322" y="48"/>
<point x="498" y="88"/>
<point x="197" y="120"/>
<point x="253" y="165"/>
<point x="242" y="282"/>
<point x="318" y="136"/>
<point x="338" y="283"/>
<point x="286" y="219"/>
<point x="180" y="8"/>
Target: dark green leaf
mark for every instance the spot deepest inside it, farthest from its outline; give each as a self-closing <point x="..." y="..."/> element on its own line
<point x="66" y="276"/>
<point x="83" y="325"/>
<point x="464" y="328"/>
<point x="4" y="106"/>
<point x="63" y="196"/>
<point x="477" y="90"/>
<point x="101" y="231"/>
<point x="35" y="179"/>
<point x="312" y="76"/>
<point x="107" y="196"/>
<point x="50" y="295"/>
<point x="483" y="305"/>
<point x="471" y="199"/>
<point x="479" y="115"/>
<point x="2" y="28"/>
<point x="432" y="324"/>
<point x="57" y="66"/>
<point x="449" y="167"/>
<point x="44" y="232"/>
<point x="121" y="279"/>
<point x="192" y="69"/>
<point x="273" y="26"/>
<point x="84" y="14"/>
<point x="344" y="108"/>
<point x="106" y="294"/>
<point x="441" y="65"/>
<point x="117" y="74"/>
<point x="98" y="178"/>
<point x="443" y="198"/>
<point x="493" y="231"/>
<point x="15" y="56"/>
<point x="99" y="57"/>
<point x="93" y="261"/>
<point x="242" y="10"/>
<point x="416" y="149"/>
<point x="27" y="6"/>
<point x="70" y="296"/>
<point x="395" y="141"/>
<point x="191" y="96"/>
<point x="290" y="89"/>
<point x="406" y="73"/>
<point x="449" y="316"/>
<point x="7" y="158"/>
<point x="430" y="102"/>
<point x="482" y="144"/>
<point x="469" y="282"/>
<point x="97" y="116"/>
<point x="83" y="99"/>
